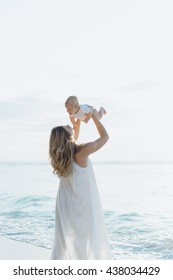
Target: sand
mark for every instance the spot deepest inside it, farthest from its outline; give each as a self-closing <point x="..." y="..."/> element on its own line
<point x="15" y="250"/>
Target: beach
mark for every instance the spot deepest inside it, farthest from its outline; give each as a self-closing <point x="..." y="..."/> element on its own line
<point x="16" y="250"/>
<point x="136" y="201"/>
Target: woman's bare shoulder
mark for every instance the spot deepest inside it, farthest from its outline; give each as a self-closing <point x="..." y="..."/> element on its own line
<point x="80" y="157"/>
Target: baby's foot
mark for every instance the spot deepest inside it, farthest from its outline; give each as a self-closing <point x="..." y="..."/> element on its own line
<point x="103" y="110"/>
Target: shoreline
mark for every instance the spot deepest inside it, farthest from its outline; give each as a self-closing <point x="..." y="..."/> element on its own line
<point x="17" y="250"/>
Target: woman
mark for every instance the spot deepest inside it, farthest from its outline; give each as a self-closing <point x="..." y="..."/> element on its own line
<point x="80" y="232"/>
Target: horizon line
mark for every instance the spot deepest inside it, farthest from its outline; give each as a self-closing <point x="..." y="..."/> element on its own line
<point x="94" y="162"/>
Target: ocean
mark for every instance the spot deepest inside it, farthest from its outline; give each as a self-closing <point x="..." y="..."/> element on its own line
<point x="137" y="200"/>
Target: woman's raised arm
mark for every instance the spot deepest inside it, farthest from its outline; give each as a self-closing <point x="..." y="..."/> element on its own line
<point x="94" y="146"/>
<point x="76" y="128"/>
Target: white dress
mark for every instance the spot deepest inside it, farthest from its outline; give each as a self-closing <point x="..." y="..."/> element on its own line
<point x="80" y="232"/>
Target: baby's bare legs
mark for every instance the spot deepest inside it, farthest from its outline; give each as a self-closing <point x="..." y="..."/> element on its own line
<point x="99" y="114"/>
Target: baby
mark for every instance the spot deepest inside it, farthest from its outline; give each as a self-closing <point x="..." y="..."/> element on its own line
<point x="82" y="112"/>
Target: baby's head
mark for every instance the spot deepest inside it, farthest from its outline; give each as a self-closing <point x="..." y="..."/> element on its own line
<point x="72" y="105"/>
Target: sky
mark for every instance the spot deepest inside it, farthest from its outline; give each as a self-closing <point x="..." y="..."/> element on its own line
<point x="115" y="54"/>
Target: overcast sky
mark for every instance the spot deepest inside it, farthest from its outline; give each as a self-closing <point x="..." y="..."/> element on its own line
<point x="112" y="53"/>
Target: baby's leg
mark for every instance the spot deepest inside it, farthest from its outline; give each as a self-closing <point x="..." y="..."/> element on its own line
<point x="97" y="114"/>
<point x="101" y="112"/>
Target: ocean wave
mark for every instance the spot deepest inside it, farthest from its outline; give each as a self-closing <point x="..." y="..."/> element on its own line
<point x="132" y="235"/>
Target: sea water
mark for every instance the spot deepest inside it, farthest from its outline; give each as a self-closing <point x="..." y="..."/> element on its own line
<point x="137" y="200"/>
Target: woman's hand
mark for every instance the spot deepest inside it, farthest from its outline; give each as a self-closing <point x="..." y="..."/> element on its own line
<point x="76" y="128"/>
<point x="72" y="119"/>
<point x="88" y="117"/>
